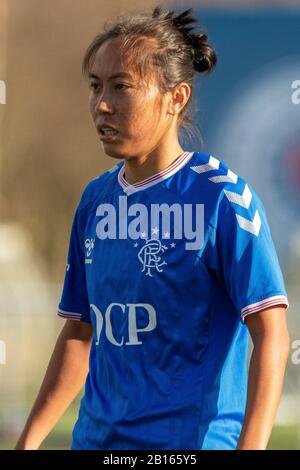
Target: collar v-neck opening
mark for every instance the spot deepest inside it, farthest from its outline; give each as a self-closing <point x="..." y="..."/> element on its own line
<point x="156" y="178"/>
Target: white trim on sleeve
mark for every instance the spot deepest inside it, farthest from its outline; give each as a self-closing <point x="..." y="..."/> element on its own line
<point x="269" y="302"/>
<point x="69" y="315"/>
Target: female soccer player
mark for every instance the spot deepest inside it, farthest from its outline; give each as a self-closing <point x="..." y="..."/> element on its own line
<point x="170" y="263"/>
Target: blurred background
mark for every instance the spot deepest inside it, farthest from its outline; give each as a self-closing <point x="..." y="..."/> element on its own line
<point x="248" y="112"/>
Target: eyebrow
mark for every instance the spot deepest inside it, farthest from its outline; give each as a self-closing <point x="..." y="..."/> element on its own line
<point x="115" y="75"/>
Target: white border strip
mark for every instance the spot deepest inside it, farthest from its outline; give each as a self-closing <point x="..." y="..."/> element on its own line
<point x="70" y="315"/>
<point x="269" y="302"/>
<point x="151" y="180"/>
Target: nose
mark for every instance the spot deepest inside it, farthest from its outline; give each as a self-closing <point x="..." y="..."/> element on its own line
<point x="103" y="104"/>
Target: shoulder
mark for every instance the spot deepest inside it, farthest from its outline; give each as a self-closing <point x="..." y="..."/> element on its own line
<point x="214" y="175"/>
<point x="99" y="186"/>
<point x="225" y="193"/>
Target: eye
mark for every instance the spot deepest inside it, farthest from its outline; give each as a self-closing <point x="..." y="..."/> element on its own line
<point x="93" y="85"/>
<point x="118" y="85"/>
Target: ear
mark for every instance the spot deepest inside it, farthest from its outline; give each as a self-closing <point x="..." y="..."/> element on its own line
<point x="180" y="96"/>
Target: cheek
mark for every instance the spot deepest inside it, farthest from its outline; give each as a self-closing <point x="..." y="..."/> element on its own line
<point x="139" y="113"/>
<point x="128" y="112"/>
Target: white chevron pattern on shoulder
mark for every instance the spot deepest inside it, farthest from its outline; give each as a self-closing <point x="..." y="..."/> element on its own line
<point x="248" y="225"/>
<point x="229" y="178"/>
<point x="243" y="200"/>
<point x="213" y="164"/>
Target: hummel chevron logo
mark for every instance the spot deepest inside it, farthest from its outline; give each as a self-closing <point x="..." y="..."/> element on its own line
<point x="213" y="164"/>
<point x="230" y="178"/>
<point x="248" y="225"/>
<point x="243" y="200"/>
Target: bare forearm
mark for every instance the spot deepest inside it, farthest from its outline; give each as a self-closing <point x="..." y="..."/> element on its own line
<point x="265" y="382"/>
<point x="65" y="376"/>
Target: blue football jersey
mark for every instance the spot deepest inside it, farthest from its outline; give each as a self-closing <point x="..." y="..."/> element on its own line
<point x="166" y="271"/>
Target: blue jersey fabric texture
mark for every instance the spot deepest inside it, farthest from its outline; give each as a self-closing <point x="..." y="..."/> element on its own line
<point x="168" y="362"/>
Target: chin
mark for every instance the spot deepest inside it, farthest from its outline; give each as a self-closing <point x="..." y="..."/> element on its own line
<point x="113" y="152"/>
<point x="119" y="155"/>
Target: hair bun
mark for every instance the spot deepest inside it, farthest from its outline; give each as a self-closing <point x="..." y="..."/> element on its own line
<point x="204" y="57"/>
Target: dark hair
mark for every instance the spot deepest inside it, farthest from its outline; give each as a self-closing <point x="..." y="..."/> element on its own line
<point x="163" y="43"/>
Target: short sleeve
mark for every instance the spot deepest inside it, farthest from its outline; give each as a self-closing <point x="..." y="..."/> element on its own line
<point x="74" y="303"/>
<point x="250" y="266"/>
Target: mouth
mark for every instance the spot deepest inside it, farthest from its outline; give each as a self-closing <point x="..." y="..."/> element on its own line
<point x="107" y="135"/>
